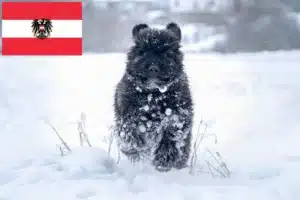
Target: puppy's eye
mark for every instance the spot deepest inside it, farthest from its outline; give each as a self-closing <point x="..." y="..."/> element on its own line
<point x="142" y="53"/>
<point x="166" y="79"/>
<point x="143" y="79"/>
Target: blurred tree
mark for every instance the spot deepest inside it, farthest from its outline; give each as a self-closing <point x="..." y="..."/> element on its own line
<point x="105" y="29"/>
<point x="295" y="4"/>
<point x="107" y="24"/>
<point x="236" y="6"/>
<point x="262" y="25"/>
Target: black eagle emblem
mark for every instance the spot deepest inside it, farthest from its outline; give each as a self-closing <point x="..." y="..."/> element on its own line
<point x="41" y="28"/>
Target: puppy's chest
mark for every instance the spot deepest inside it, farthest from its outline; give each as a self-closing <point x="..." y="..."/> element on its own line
<point x="157" y="106"/>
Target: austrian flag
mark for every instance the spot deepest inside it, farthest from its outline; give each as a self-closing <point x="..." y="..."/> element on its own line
<point x="41" y="28"/>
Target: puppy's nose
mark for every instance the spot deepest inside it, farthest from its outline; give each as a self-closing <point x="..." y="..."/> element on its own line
<point x="153" y="70"/>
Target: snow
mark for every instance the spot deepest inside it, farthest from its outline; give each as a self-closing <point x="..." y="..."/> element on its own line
<point x="168" y="111"/>
<point x="249" y="101"/>
<point x="142" y="128"/>
<point x="163" y="89"/>
<point x="149" y="97"/>
<point x="138" y="89"/>
<point x="146" y="107"/>
<point x="155" y="14"/>
<point x="295" y="15"/>
<point x="149" y="124"/>
<point x="206" y="44"/>
<point x="199" y="5"/>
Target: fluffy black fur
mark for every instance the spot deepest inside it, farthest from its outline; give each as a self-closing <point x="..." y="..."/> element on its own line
<point x="153" y="104"/>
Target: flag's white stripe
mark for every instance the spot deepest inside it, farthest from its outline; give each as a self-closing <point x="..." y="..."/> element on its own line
<point x="60" y="29"/>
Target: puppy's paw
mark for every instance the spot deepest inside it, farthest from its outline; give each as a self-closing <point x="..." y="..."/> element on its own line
<point x="180" y="165"/>
<point x="133" y="140"/>
<point x="132" y="154"/>
<point x="163" y="168"/>
<point x="163" y="161"/>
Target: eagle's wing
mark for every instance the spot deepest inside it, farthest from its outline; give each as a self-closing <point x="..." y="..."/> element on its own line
<point x="35" y="26"/>
<point x="48" y="26"/>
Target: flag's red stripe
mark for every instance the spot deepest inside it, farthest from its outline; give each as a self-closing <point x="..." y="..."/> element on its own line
<point x="33" y="10"/>
<point x="33" y="46"/>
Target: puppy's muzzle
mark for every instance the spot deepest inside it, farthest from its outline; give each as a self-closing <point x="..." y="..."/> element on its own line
<point x="153" y="71"/>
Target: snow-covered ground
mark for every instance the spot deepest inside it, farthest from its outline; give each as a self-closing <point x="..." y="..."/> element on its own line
<point x="250" y="101"/>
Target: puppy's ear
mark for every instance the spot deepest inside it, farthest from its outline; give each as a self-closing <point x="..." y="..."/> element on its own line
<point x="137" y="28"/>
<point x="175" y="29"/>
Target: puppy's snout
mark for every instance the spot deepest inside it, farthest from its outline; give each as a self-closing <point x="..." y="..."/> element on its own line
<point x="153" y="70"/>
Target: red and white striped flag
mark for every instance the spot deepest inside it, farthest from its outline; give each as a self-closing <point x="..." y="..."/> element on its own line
<point x="41" y="28"/>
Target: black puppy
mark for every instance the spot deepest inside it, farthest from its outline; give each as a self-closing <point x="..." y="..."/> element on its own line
<point x="153" y="104"/>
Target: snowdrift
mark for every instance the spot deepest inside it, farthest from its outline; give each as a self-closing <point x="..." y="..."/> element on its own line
<point x="249" y="101"/>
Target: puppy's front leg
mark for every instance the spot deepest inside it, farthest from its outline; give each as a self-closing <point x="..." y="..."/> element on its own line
<point x="165" y="155"/>
<point x="130" y="140"/>
<point x="174" y="148"/>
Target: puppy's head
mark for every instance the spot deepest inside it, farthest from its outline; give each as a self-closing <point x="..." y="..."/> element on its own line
<point x="155" y="59"/>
